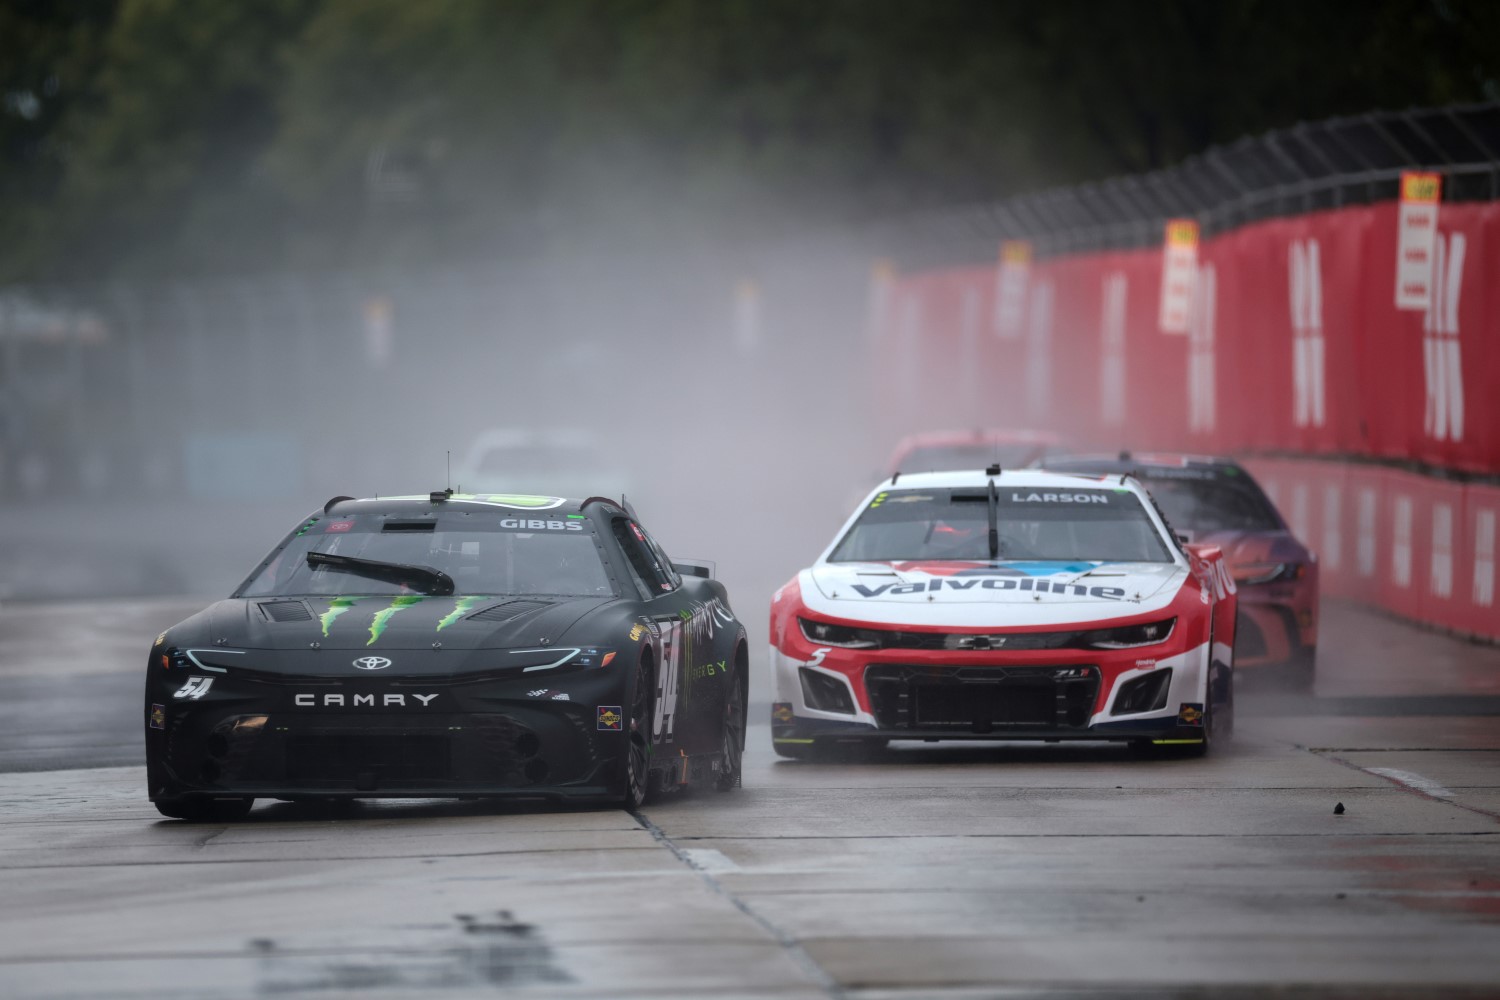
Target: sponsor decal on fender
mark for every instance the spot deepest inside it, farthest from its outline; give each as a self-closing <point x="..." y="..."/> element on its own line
<point x="160" y="639"/>
<point x="636" y="631"/>
<point x="1191" y="714"/>
<point x="610" y="718"/>
<point x="781" y="712"/>
<point x="158" y="717"/>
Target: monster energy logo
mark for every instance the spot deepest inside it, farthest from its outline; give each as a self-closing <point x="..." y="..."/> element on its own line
<point x="383" y="617"/>
<point x="336" y="607"/>
<point x="461" y="607"/>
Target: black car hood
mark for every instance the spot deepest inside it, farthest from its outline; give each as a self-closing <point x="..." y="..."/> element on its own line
<point x="380" y="624"/>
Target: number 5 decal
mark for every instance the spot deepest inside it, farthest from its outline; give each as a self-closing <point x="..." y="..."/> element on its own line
<point x="817" y="657"/>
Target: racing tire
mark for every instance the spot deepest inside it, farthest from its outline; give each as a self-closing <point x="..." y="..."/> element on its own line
<point x="731" y="767"/>
<point x="205" y="810"/>
<point x="1302" y="670"/>
<point x="637" y="762"/>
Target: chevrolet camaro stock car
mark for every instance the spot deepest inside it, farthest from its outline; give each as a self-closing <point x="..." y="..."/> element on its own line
<point x="1005" y="606"/>
<point x="1216" y="500"/>
<point x="450" y="645"/>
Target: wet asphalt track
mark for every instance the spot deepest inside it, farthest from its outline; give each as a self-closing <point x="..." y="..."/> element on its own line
<point x="927" y="871"/>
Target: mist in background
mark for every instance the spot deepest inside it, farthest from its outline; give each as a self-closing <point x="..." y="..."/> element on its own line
<point x="254" y="255"/>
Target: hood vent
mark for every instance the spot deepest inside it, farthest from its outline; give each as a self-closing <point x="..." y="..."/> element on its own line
<point x="286" y="611"/>
<point x="510" y="609"/>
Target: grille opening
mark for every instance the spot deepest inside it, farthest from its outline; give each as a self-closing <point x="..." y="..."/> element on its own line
<point x="527" y="745"/>
<point x="981" y="699"/>
<point x="345" y="757"/>
<point x="210" y="771"/>
<point x="983" y="706"/>
<point x="824" y="693"/>
<point x="217" y="746"/>
<point x="536" y="770"/>
<point x="1144" y="694"/>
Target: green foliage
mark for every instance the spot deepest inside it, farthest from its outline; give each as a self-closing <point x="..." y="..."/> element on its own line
<point x="182" y="136"/>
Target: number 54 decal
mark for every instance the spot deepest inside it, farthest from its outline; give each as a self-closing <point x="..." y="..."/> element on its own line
<point x="195" y="688"/>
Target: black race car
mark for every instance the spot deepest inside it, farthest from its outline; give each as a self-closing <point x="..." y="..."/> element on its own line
<point x="450" y="645"/>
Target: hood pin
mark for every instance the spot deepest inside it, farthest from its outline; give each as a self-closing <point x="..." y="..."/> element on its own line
<point x="437" y="645"/>
<point x="315" y="645"/>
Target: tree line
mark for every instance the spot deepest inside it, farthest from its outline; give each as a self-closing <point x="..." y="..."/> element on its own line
<point x="163" y="138"/>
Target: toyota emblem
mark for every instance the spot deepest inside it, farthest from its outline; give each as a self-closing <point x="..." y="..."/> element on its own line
<point x="371" y="663"/>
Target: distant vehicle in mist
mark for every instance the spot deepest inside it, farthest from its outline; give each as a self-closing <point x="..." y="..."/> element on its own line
<point x="1215" y="500"/>
<point x="976" y="448"/>
<point x="549" y="461"/>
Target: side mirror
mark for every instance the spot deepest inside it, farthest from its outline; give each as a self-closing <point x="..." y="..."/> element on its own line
<point x="695" y="567"/>
<point x="1185" y="537"/>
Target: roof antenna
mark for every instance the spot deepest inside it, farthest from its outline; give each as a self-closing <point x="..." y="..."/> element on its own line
<point x="448" y="484"/>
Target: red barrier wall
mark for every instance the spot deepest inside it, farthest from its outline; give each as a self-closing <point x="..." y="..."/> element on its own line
<point x="1421" y="547"/>
<point x="1297" y="345"/>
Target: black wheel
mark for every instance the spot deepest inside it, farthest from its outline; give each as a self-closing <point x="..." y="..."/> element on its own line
<point x="638" y="736"/>
<point x="733" y="759"/>
<point x="205" y="810"/>
<point x="1302" y="670"/>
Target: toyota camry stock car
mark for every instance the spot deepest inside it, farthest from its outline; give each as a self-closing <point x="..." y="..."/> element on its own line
<point x="450" y="645"/>
<point x="1216" y="500"/>
<point x="1005" y="606"/>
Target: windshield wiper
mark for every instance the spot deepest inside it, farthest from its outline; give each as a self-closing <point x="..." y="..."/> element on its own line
<point x="424" y="578"/>
<point x="994" y="522"/>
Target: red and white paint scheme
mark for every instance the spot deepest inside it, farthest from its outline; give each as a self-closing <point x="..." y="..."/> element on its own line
<point x="1002" y="606"/>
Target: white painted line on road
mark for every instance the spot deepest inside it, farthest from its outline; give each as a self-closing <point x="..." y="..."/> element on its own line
<point x="706" y="859"/>
<point x="1424" y="785"/>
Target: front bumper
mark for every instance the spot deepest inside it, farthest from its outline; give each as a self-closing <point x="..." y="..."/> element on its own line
<point x="991" y="697"/>
<point x="272" y="736"/>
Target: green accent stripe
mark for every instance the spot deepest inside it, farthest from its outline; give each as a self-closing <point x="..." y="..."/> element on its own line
<point x="1169" y="742"/>
<point x="787" y="739"/>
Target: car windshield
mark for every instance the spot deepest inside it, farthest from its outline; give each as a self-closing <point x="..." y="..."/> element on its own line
<point x="959" y="457"/>
<point x="1075" y="524"/>
<point x="482" y="553"/>
<point x="1203" y="506"/>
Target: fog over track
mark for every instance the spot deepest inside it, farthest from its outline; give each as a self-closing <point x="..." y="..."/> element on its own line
<point x="945" y="870"/>
<point x="924" y="871"/>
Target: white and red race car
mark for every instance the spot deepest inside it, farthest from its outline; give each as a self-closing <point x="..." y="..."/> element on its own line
<point x="1005" y="606"/>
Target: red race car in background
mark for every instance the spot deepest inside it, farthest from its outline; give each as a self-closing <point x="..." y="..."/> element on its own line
<point x="1215" y="500"/>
